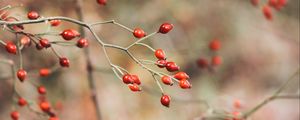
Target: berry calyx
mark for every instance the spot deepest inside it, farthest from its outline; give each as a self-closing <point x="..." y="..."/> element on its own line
<point x="69" y="34"/>
<point x="42" y="90"/>
<point x="171" y="66"/>
<point x="44" y="72"/>
<point x="134" y="87"/>
<point x="216" y="60"/>
<point x="215" y="45"/>
<point x="161" y="63"/>
<point x="45" y="43"/>
<point x="165" y="100"/>
<point x="38" y="46"/>
<point x="32" y="15"/>
<point x="21" y="74"/>
<point x="160" y="54"/>
<point x="184" y="84"/>
<point x="11" y="47"/>
<point x="81" y="43"/>
<point x="136" y="79"/>
<point x="127" y="79"/>
<point x="167" y="80"/>
<point x="181" y="76"/>
<point x="45" y="106"/>
<point x="55" y="23"/>
<point x="101" y="2"/>
<point x="22" y="102"/>
<point x="64" y="62"/>
<point x="165" y="28"/>
<point x="139" y="33"/>
<point x="15" y="115"/>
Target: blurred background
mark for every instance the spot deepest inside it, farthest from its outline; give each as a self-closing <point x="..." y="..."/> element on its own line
<point x="257" y="57"/>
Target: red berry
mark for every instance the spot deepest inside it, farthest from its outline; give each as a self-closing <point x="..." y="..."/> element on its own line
<point x="202" y="63"/>
<point x="64" y="62"/>
<point x="15" y="115"/>
<point x="171" y="66"/>
<point x="45" y="43"/>
<point x="184" y="84"/>
<point x="42" y="90"/>
<point x="11" y="47"/>
<point x="22" y="102"/>
<point x="69" y="34"/>
<point x="102" y="2"/>
<point x="167" y="80"/>
<point x="32" y="15"/>
<point x="165" y="100"/>
<point x="216" y="60"/>
<point x="254" y="2"/>
<point x="134" y="87"/>
<point x="160" y="54"/>
<point x="45" y="106"/>
<point x="280" y="4"/>
<point x="127" y="79"/>
<point x="215" y="45"/>
<point x="136" y="79"/>
<point x="25" y="40"/>
<point x="237" y="104"/>
<point x="53" y="118"/>
<point x="165" y="28"/>
<point x="268" y="12"/>
<point x="55" y="23"/>
<point x="161" y="63"/>
<point x="44" y="72"/>
<point x="21" y="74"/>
<point x="181" y="75"/>
<point x="139" y="33"/>
<point x="236" y="115"/>
<point x="81" y="43"/>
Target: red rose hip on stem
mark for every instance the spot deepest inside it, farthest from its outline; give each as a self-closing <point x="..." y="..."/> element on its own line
<point x="44" y="72"/>
<point x="184" y="84"/>
<point x="15" y="115"/>
<point x="139" y="33"/>
<point x="134" y="87"/>
<point x="136" y="79"/>
<point x="181" y="75"/>
<point x="69" y="34"/>
<point x="171" y="66"/>
<point x="165" y="28"/>
<point x="127" y="79"/>
<point x="267" y="11"/>
<point x="55" y="23"/>
<point x="216" y="60"/>
<point x="21" y="74"/>
<point x="45" y="106"/>
<point x="64" y="62"/>
<point x="161" y="63"/>
<point x="167" y="80"/>
<point x="165" y="100"/>
<point x="45" y="43"/>
<point x="81" y="43"/>
<point x="160" y="54"/>
<point x="11" y="47"/>
<point x="215" y="45"/>
<point x="22" y="102"/>
<point x="42" y="90"/>
<point x="32" y="15"/>
<point x="101" y="2"/>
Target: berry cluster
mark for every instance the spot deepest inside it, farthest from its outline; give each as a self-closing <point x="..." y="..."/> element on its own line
<point x="267" y="8"/>
<point x="216" y="60"/>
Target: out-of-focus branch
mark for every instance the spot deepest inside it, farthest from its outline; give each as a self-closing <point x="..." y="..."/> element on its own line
<point x="89" y="67"/>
